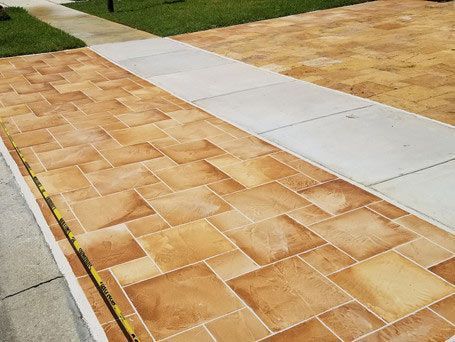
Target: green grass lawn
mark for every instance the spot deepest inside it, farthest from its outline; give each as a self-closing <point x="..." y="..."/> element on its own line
<point x="24" y="34"/>
<point x="166" y="19"/>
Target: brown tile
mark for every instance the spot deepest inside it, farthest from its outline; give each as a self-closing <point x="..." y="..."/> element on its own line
<point x="189" y="205"/>
<point x="362" y="233"/>
<point x="152" y="191"/>
<point x="32" y="138"/>
<point x="312" y="171"/>
<point x="131" y="154"/>
<point x="186" y="116"/>
<point x="31" y="122"/>
<point x="59" y="202"/>
<point x="193" y="131"/>
<point x="105" y="248"/>
<point x="95" y="165"/>
<point x="327" y="259"/>
<point x="80" y="194"/>
<point x="228" y="220"/>
<point x="186" y="244"/>
<point x="192" y="151"/>
<point x="309" y="215"/>
<point x="134" y="271"/>
<point x="223" y="160"/>
<point x="274" y="239"/>
<point x="391" y="286"/>
<point x="265" y="201"/>
<point x="110" y="210"/>
<point x="338" y="196"/>
<point x="286" y="293"/>
<point x="446" y="270"/>
<point x="63" y="180"/>
<point x="258" y="171"/>
<point x="179" y="300"/>
<point x="424" y="252"/>
<point x="96" y="301"/>
<point x="14" y="110"/>
<point x="428" y="230"/>
<point x="422" y="326"/>
<point x="231" y="264"/>
<point x="351" y="321"/>
<point x="147" y="225"/>
<point x="387" y="209"/>
<point x="225" y="187"/>
<point x="159" y="163"/>
<point x="311" y="330"/>
<point x="249" y="147"/>
<point x="238" y="326"/>
<point x="68" y="156"/>
<point x="190" y="175"/>
<point x="138" y="134"/>
<point x="298" y="182"/>
<point x="446" y="308"/>
<point x="115" y="334"/>
<point x="142" y="118"/>
<point x="58" y="233"/>
<point x="81" y="137"/>
<point x="198" y="334"/>
<point x="121" y="178"/>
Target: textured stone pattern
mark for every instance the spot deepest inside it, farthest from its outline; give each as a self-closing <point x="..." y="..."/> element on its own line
<point x="398" y="54"/>
<point x="203" y="231"/>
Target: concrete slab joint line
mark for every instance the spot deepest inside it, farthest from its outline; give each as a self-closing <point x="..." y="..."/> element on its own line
<point x="359" y="139"/>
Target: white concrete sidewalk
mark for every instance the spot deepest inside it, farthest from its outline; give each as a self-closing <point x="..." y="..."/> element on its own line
<point x="405" y="157"/>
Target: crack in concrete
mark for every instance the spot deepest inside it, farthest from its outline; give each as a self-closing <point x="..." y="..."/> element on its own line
<point x="31" y="287"/>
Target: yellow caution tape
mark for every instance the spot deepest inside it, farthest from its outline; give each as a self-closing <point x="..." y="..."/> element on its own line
<point x="112" y="305"/>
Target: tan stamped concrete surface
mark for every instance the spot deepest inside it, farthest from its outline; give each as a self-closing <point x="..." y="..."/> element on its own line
<point x="203" y="231"/>
<point x="398" y="53"/>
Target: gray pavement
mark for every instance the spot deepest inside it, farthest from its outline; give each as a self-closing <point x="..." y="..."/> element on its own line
<point x="35" y="301"/>
<point x="375" y="146"/>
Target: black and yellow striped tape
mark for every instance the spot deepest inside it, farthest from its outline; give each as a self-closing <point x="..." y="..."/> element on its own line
<point x="107" y="297"/>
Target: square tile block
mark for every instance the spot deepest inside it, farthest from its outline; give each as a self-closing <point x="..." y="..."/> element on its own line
<point x="311" y="330"/>
<point x="274" y="239"/>
<point x="192" y="151"/>
<point x="185" y="244"/>
<point x="181" y="299"/>
<point x="286" y="293"/>
<point x="391" y="286"/>
<point x="338" y="196"/>
<point x="191" y="175"/>
<point x="111" y="210"/>
<point x="63" y="180"/>
<point x="266" y="201"/>
<point x="131" y="154"/>
<point x="121" y="178"/>
<point x="138" y="134"/>
<point x="189" y="205"/>
<point x="231" y="264"/>
<point x="327" y="259"/>
<point x="258" y="171"/>
<point x="362" y="233"/>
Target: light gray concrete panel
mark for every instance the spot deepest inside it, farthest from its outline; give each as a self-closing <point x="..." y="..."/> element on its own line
<point x="173" y="62"/>
<point x="278" y="105"/>
<point x="25" y="258"/>
<point x="137" y="48"/>
<point x="214" y="81"/>
<point x="44" y="313"/>
<point x="431" y="191"/>
<point x="370" y="145"/>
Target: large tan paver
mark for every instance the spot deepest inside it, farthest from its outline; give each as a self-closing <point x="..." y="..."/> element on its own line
<point x="92" y="30"/>
<point x="199" y="227"/>
<point x="394" y="52"/>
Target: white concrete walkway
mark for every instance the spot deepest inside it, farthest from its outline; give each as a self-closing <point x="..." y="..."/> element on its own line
<point x="405" y="157"/>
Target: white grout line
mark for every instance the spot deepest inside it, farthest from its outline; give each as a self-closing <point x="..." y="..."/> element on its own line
<point x="81" y="300"/>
